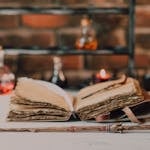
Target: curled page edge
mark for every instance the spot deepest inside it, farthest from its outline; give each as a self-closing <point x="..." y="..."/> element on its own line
<point x="56" y="89"/>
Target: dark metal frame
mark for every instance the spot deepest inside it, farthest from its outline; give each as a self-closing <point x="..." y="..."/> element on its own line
<point x="130" y="11"/>
<point x="131" y="38"/>
<point x="67" y="51"/>
<point x="63" y="10"/>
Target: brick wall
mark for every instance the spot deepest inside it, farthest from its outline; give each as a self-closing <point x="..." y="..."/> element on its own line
<point x="47" y="30"/>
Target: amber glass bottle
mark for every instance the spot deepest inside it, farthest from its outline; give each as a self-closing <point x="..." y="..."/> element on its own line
<point x="87" y="39"/>
<point x="58" y="77"/>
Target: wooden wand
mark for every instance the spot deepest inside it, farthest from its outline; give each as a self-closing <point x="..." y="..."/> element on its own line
<point x="114" y="128"/>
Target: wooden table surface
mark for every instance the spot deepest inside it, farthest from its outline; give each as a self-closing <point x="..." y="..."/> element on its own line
<point x="64" y="141"/>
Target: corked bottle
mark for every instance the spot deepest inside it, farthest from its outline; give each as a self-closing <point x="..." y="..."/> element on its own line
<point x="58" y="77"/>
<point x="87" y="39"/>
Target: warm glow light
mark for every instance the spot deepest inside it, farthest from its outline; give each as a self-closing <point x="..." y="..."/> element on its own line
<point x="102" y="76"/>
<point x="102" y="73"/>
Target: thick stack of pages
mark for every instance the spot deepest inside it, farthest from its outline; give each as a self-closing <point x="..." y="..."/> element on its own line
<point x="39" y="100"/>
<point x="103" y="98"/>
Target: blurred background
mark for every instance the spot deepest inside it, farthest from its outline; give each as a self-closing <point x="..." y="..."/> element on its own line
<point x="43" y="31"/>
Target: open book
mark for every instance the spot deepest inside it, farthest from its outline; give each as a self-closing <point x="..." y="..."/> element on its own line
<point x="43" y="101"/>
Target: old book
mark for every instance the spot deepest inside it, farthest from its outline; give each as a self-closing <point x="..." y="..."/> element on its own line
<point x="39" y="100"/>
<point x="105" y="97"/>
<point x="42" y="101"/>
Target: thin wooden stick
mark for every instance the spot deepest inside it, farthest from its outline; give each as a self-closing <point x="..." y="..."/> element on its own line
<point x="57" y="129"/>
<point x="121" y="128"/>
<point x="115" y="128"/>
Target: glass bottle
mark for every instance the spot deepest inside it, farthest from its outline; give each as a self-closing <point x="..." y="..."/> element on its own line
<point x="7" y="78"/>
<point x="87" y="39"/>
<point x="58" y="76"/>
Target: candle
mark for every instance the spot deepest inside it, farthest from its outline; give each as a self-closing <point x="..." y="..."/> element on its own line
<point x="102" y="76"/>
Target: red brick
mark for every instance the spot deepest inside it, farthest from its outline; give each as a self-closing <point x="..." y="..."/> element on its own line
<point x="143" y="16"/>
<point x="25" y="38"/>
<point x="111" y="62"/>
<point x="116" y="38"/>
<point x="43" y="39"/>
<point x="108" y="25"/>
<point x="68" y="36"/>
<point x="31" y="64"/>
<point x="142" y="61"/>
<point x="11" y="61"/>
<point x="143" y="2"/>
<point x="143" y="40"/>
<point x="9" y="21"/>
<point x="73" y="62"/>
<point x="110" y="22"/>
<point x="118" y="62"/>
<point x="45" y="21"/>
<point x="107" y="3"/>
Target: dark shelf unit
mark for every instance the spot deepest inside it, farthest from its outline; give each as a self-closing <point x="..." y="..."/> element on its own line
<point x="63" y="10"/>
<point x="129" y="11"/>
<point x="23" y="51"/>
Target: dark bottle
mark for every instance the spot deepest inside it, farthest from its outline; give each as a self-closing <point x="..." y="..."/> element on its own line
<point x="146" y="81"/>
<point x="58" y="76"/>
